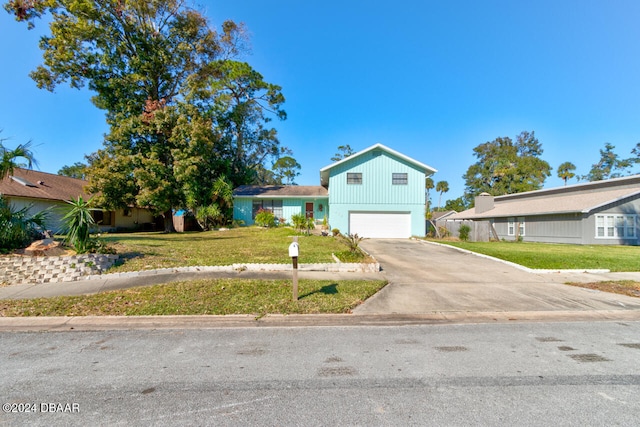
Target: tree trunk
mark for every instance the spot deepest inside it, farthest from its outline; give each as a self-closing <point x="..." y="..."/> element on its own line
<point x="168" y="222"/>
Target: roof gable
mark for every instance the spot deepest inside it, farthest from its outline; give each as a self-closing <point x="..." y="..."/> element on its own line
<point x="325" y="171"/>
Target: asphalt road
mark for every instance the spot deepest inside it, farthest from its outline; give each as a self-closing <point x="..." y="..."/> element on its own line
<point x="574" y="374"/>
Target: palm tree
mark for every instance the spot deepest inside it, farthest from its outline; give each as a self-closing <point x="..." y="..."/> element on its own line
<point x="428" y="185"/>
<point x="565" y="171"/>
<point x="8" y="158"/>
<point x="441" y="187"/>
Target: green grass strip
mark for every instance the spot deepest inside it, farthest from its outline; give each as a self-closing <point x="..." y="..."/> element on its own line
<point x="216" y="297"/>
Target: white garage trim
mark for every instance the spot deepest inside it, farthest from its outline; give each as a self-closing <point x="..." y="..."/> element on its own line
<point x="380" y="224"/>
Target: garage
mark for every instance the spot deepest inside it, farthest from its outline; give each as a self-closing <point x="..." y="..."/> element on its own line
<point x="380" y="224"/>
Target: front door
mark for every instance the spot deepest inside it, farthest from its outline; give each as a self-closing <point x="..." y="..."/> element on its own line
<point x="308" y="209"/>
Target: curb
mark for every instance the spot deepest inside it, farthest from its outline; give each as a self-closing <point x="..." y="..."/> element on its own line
<point x="106" y="323"/>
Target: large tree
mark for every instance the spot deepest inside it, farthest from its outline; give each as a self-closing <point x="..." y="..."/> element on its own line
<point x="344" y="151"/>
<point x="609" y="166"/>
<point x="458" y="205"/>
<point x="77" y="170"/>
<point x="505" y="166"/>
<point x="181" y="112"/>
<point x="286" y="169"/>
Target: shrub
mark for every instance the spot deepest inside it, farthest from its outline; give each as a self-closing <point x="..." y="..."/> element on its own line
<point x="17" y="227"/>
<point x="444" y="232"/>
<point x="353" y="241"/>
<point x="209" y="216"/>
<point x="78" y="224"/>
<point x="299" y="221"/>
<point x="265" y="218"/>
<point x="464" y="232"/>
<point x="310" y="224"/>
<point x="335" y="232"/>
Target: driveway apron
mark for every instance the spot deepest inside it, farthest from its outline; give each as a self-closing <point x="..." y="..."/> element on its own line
<point x="428" y="278"/>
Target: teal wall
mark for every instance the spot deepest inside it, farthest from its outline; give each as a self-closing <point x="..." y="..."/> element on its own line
<point x="377" y="193"/>
<point x="242" y="207"/>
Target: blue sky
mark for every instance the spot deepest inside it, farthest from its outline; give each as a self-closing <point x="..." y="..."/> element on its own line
<point x="429" y="79"/>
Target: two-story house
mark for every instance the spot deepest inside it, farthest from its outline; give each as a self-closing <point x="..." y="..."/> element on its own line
<point x="377" y="192"/>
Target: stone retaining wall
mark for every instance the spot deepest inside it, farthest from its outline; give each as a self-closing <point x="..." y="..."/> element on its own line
<point x="16" y="270"/>
<point x="22" y="269"/>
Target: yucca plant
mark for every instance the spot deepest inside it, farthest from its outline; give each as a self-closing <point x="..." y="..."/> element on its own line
<point x="78" y="224"/>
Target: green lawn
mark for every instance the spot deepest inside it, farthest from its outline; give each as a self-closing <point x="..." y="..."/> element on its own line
<point x="145" y="251"/>
<point x="220" y="296"/>
<point x="556" y="256"/>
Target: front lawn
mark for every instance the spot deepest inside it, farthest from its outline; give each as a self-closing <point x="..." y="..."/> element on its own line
<point x="146" y="251"/>
<point x="219" y="296"/>
<point x="558" y="256"/>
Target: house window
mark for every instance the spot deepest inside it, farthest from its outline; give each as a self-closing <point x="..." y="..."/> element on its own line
<point x="275" y="206"/>
<point x="616" y="226"/>
<point x="399" y="178"/>
<point x="511" y="226"/>
<point x="354" y="178"/>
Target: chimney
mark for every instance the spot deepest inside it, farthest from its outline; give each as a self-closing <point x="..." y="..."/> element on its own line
<point x="484" y="203"/>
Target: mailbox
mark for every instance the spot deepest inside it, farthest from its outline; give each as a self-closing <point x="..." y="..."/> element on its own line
<point x="293" y="250"/>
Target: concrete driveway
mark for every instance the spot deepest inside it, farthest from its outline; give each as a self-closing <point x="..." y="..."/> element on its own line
<point x="427" y="278"/>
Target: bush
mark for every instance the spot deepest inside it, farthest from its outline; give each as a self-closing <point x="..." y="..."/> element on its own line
<point x="464" y="232"/>
<point x="299" y="221"/>
<point x="302" y="223"/>
<point x="444" y="232"/>
<point x="78" y="224"/>
<point x="353" y="241"/>
<point x="310" y="224"/>
<point x="265" y="218"/>
<point x="17" y="228"/>
<point x="335" y="232"/>
<point x="209" y="216"/>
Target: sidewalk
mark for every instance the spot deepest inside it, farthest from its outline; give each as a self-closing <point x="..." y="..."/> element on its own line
<point x="109" y="282"/>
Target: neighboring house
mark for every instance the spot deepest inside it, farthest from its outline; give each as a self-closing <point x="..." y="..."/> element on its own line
<point x="44" y="191"/>
<point x="600" y="212"/>
<point x="376" y="192"/>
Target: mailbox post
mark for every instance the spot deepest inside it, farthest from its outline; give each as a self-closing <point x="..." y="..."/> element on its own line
<point x="293" y="253"/>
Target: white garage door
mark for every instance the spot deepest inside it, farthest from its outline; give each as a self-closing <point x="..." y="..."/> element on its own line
<point x="380" y="224"/>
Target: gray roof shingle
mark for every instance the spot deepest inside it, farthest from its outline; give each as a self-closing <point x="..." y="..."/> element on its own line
<point x="280" y="191"/>
<point x="580" y="198"/>
<point x="42" y="185"/>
